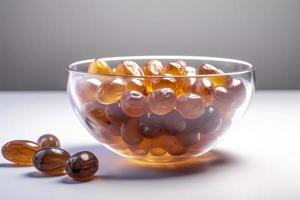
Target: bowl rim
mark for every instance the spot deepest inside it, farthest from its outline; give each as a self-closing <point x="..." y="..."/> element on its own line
<point x="250" y="67"/>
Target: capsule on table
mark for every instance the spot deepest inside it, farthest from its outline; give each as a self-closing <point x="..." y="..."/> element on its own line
<point x="20" y="152"/>
<point x="99" y="66"/>
<point x="162" y="101"/>
<point x="110" y="91"/>
<point x="48" y="140"/>
<point x="51" y="161"/>
<point x="134" y="104"/>
<point x="82" y="166"/>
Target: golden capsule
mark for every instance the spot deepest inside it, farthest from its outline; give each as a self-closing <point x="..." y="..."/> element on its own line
<point x="135" y="84"/>
<point x="110" y="91"/>
<point x="173" y="68"/>
<point x="153" y="67"/>
<point x="220" y="79"/>
<point x="204" y="88"/>
<point x="20" y="152"/>
<point x="141" y="148"/>
<point x="99" y="66"/>
<point x="129" y="68"/>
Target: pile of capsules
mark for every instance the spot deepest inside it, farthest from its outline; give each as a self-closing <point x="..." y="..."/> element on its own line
<point x="47" y="157"/>
<point x="158" y="109"/>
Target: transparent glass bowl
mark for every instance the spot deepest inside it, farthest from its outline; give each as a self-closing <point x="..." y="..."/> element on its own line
<point x="177" y="135"/>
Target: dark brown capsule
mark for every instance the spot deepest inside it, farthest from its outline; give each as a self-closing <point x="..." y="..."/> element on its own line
<point x="51" y="161"/>
<point x="20" y="152"/>
<point x="48" y="140"/>
<point x="82" y="166"/>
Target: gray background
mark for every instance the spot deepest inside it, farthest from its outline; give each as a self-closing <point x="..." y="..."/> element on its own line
<point x="39" y="38"/>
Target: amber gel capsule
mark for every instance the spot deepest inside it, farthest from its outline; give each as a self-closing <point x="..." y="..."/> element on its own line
<point x="51" y="161"/>
<point x="20" y="152"/>
<point x="82" y="166"/>
<point x="162" y="101"/>
<point x="99" y="67"/>
<point x="48" y="140"/>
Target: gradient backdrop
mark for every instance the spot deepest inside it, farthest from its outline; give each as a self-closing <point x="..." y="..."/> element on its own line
<point x="38" y="38"/>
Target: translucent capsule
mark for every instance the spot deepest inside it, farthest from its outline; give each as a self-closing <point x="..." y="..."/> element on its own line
<point x="114" y="113"/>
<point x="158" y="145"/>
<point x="173" y="123"/>
<point x="20" y="152"/>
<point x="223" y="99"/>
<point x="220" y="79"/>
<point x="86" y="90"/>
<point x="129" y="68"/>
<point x="173" y="68"/>
<point x="82" y="166"/>
<point x="141" y="148"/>
<point x="167" y="81"/>
<point x="95" y="113"/>
<point x="190" y="106"/>
<point x="130" y="132"/>
<point x="210" y="121"/>
<point x="150" y="125"/>
<point x="174" y="145"/>
<point x="105" y="136"/>
<point x="162" y="101"/>
<point x="153" y="67"/>
<point x="135" y="84"/>
<point x="204" y="88"/>
<point x="134" y="104"/>
<point x="110" y="91"/>
<point x="188" y="82"/>
<point x="99" y="66"/>
<point x="51" y="161"/>
<point x="48" y="140"/>
<point x="114" y="129"/>
<point x="189" y="139"/>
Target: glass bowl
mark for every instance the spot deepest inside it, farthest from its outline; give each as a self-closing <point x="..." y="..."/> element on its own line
<point x="161" y="118"/>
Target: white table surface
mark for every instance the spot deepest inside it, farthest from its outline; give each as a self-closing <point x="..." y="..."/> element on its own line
<point x="260" y="159"/>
